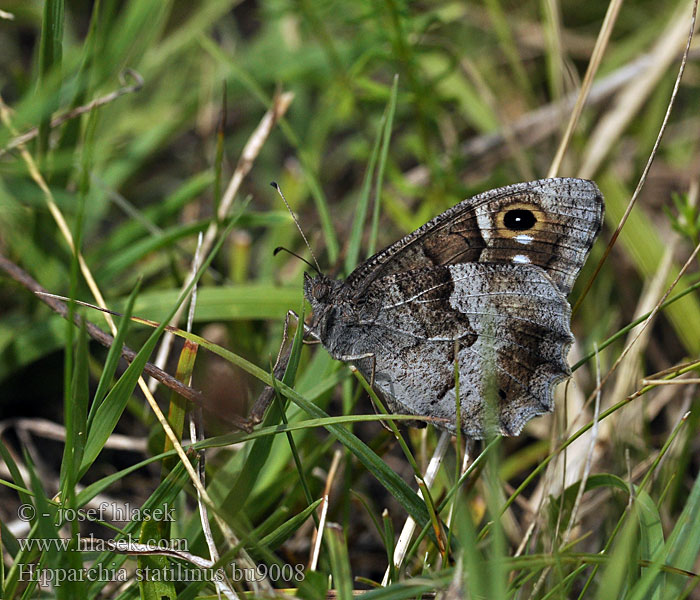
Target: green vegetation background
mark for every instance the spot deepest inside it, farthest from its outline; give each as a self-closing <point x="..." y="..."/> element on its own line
<point x="400" y="110"/>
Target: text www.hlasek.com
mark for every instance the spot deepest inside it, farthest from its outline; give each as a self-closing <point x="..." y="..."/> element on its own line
<point x="93" y="544"/>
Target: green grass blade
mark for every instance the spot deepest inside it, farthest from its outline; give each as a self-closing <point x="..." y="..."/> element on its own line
<point x="164" y="494"/>
<point x="108" y="413"/>
<point x="15" y="473"/>
<point x="177" y="405"/>
<point x="154" y="588"/>
<point x="386" y="476"/>
<point x="114" y="354"/>
<point x="50" y="59"/>
<point x="358" y="223"/>
<point x="651" y="541"/>
<point x="383" y="154"/>
<point x="259" y="451"/>
<point x="332" y="246"/>
<point x="340" y="563"/>
<point x="627" y="328"/>
<point x="57" y="560"/>
<point x="75" y="416"/>
<point x="288" y="528"/>
<point x="288" y="379"/>
<point x="622" y="565"/>
<point x="643" y="244"/>
<point x="683" y="546"/>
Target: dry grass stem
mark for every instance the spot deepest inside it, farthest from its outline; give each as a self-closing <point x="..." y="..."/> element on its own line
<point x="323" y="512"/>
<point x="409" y="526"/>
<point x="630" y="99"/>
<point x="23" y="138"/>
<point x="54" y="431"/>
<point x="628" y="103"/>
<point x="650" y="319"/>
<point x="596" y="58"/>
<point x="65" y="231"/>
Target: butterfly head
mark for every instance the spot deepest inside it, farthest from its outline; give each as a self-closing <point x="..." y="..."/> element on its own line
<point x="322" y="293"/>
<point x="319" y="289"/>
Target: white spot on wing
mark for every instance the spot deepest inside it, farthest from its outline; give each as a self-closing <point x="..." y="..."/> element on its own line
<point x="523" y="238"/>
<point x="521" y="258"/>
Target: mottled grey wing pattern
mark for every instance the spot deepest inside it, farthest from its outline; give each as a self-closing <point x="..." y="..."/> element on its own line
<point x="511" y="326"/>
<point x="488" y="277"/>
<point x="568" y="215"/>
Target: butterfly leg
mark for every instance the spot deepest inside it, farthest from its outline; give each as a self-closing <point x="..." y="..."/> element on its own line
<point x="265" y="399"/>
<point x="307" y="330"/>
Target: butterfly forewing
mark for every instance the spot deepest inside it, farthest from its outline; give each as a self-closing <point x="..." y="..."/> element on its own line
<point x="550" y="223"/>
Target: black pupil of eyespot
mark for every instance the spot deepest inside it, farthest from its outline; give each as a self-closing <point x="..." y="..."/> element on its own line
<point x="519" y="219"/>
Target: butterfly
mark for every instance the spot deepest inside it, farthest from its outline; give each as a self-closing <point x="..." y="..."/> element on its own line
<point x="483" y="285"/>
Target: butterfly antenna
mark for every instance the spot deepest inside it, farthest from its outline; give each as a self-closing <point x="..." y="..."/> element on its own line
<point x="301" y="258"/>
<point x="291" y="212"/>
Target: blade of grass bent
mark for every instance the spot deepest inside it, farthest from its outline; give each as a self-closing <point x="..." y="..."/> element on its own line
<point x="108" y="413"/>
<point x="289" y="378"/>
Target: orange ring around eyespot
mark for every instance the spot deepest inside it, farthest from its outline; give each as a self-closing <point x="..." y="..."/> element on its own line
<point x="532" y="207"/>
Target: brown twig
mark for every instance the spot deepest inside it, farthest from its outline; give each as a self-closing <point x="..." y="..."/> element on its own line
<point x="24" y="279"/>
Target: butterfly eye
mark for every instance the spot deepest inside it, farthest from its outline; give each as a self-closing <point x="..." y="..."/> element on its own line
<point x="320" y="291"/>
<point x="519" y="219"/>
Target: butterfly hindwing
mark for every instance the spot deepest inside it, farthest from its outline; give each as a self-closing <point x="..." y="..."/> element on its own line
<point x="508" y="321"/>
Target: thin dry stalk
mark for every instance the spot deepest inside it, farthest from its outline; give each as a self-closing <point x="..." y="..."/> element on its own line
<point x="628" y="103"/>
<point x="410" y="525"/>
<point x="630" y="100"/>
<point x="676" y="369"/>
<point x="513" y="144"/>
<point x="628" y="371"/>
<point x="55" y="431"/>
<point x="223" y="586"/>
<point x="465" y="464"/>
<point x="586" y="470"/>
<point x="85" y="270"/>
<point x="687" y="381"/>
<point x="56" y="214"/>
<point x="644" y="325"/>
<point x="537" y="125"/>
<point x="589" y="457"/>
<point x="323" y="512"/>
<point x="596" y="58"/>
<point x="81" y="110"/>
<point x="57" y="305"/>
